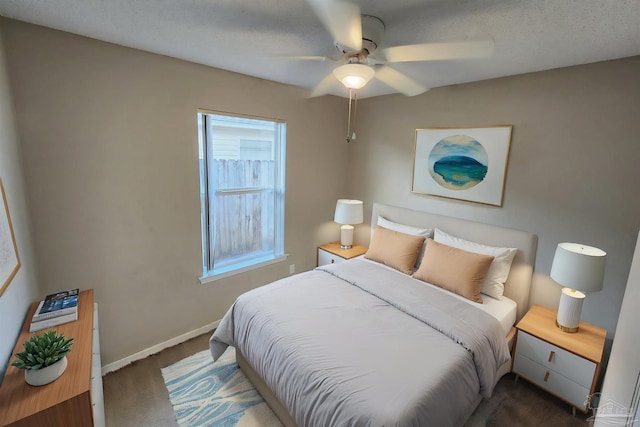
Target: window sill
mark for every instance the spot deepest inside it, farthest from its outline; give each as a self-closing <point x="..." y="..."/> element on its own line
<point x="212" y="277"/>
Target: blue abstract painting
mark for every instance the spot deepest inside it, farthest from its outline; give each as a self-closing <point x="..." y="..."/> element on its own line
<point x="462" y="163"/>
<point x="458" y="162"/>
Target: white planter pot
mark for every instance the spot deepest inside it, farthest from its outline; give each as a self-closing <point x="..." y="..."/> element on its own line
<point x="45" y="375"/>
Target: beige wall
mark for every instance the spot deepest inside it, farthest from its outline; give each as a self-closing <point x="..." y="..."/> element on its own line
<point x="109" y="140"/>
<point x="573" y="168"/>
<point x="23" y="289"/>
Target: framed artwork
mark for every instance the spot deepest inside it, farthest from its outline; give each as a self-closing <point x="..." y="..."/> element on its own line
<point x="9" y="260"/>
<point x="462" y="163"/>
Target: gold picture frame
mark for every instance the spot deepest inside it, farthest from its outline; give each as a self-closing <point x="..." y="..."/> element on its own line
<point x="9" y="258"/>
<point x="467" y="164"/>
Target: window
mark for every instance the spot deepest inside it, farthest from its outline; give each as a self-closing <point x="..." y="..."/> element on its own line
<point x="242" y="168"/>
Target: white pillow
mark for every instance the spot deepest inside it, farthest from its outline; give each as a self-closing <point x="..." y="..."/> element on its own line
<point x="498" y="272"/>
<point x="408" y="229"/>
<point x="403" y="228"/>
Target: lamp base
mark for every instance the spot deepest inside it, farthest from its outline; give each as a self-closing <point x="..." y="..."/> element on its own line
<point x="567" y="330"/>
<point x="346" y="236"/>
<point x="568" y="319"/>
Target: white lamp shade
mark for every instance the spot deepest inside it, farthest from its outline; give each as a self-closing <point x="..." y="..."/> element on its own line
<point x="348" y="212"/>
<point x="579" y="267"/>
<point x="354" y="76"/>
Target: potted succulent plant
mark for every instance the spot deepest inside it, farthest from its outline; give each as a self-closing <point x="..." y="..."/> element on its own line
<point x="44" y="357"/>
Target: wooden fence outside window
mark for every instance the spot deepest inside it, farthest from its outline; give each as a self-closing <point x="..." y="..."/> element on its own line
<point x="243" y="204"/>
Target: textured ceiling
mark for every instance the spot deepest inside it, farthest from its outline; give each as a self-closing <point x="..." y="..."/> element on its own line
<point x="251" y="36"/>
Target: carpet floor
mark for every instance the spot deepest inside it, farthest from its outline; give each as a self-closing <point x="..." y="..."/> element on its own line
<point x="218" y="394"/>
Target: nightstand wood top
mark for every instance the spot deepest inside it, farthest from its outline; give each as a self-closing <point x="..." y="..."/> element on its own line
<point x="588" y="342"/>
<point x="334" y="248"/>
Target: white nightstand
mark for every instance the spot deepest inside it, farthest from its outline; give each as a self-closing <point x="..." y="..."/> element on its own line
<point x="330" y="253"/>
<point x="564" y="364"/>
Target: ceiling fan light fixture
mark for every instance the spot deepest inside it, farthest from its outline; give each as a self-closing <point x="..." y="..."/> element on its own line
<point x="354" y="76"/>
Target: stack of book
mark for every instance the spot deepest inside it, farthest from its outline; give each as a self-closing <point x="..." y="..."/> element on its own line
<point x="55" y="309"/>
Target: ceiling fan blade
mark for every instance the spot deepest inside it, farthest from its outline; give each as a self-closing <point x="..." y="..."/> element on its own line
<point x="341" y="19"/>
<point x="440" y="51"/>
<point x="324" y="87"/>
<point x="400" y="82"/>
<point x="375" y="61"/>
<point x="307" y="57"/>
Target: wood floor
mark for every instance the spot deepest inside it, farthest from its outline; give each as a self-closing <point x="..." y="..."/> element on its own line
<point x="135" y="396"/>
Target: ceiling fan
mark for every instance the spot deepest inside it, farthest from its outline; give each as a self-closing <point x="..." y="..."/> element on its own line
<point x="358" y="38"/>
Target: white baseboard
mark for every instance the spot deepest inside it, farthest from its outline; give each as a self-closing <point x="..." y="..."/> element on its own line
<point x="158" y="347"/>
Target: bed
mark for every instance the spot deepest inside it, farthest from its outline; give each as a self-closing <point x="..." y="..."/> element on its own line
<point x="360" y="343"/>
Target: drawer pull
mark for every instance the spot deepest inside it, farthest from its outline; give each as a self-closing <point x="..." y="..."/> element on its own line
<point x="551" y="354"/>
<point x="332" y="261"/>
<point x="546" y="376"/>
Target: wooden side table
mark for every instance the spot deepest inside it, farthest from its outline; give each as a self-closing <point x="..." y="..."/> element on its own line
<point x="564" y="364"/>
<point x="330" y="253"/>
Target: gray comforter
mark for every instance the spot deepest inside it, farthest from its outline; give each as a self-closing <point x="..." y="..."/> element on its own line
<point x="358" y="344"/>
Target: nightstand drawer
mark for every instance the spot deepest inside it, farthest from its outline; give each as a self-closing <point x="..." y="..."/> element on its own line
<point x="575" y="368"/>
<point x="325" y="258"/>
<point x="551" y="381"/>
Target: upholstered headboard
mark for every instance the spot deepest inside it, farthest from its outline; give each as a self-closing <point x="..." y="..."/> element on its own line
<point x="518" y="284"/>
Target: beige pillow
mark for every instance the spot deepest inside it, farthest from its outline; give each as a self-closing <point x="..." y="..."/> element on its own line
<point x="454" y="269"/>
<point x="500" y="267"/>
<point x="407" y="229"/>
<point x="395" y="249"/>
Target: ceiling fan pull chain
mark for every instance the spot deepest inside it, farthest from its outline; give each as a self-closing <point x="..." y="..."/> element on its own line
<point x="355" y="109"/>
<point x="349" y="116"/>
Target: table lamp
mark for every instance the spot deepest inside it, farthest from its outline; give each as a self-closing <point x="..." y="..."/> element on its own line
<point x="348" y="212"/>
<point x="580" y="269"/>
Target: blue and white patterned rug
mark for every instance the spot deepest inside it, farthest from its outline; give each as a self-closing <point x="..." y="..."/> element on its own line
<point x="204" y="393"/>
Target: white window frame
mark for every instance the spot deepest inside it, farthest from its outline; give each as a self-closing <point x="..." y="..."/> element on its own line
<point x="210" y="271"/>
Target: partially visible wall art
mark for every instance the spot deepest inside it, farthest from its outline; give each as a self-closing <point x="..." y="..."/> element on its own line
<point x="467" y="164"/>
<point x="9" y="260"/>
